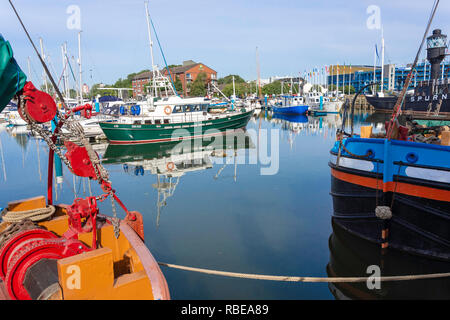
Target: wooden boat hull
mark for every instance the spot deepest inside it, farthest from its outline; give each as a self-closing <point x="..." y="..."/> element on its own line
<point x="118" y="133"/>
<point x="413" y="105"/>
<point x="417" y="191"/>
<point x="350" y="256"/>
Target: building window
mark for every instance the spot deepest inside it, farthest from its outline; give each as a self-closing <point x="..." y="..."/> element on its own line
<point x="188" y="76"/>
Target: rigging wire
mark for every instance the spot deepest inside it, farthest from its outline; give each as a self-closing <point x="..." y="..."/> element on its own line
<point x="162" y="53"/>
<point x="398" y="105"/>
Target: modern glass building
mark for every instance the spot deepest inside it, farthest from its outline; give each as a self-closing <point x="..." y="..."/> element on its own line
<point x="394" y="77"/>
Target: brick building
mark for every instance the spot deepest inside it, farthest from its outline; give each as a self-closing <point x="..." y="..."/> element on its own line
<point x="139" y="82"/>
<point x="186" y="74"/>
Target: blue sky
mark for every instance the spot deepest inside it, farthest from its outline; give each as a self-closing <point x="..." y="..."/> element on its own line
<point x="292" y="35"/>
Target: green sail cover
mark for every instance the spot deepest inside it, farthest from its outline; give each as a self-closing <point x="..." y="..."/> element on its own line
<point x="12" y="79"/>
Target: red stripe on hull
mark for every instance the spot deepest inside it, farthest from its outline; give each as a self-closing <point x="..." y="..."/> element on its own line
<point x="398" y="187"/>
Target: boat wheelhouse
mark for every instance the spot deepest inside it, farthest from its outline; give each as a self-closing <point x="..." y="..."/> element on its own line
<point x="319" y="103"/>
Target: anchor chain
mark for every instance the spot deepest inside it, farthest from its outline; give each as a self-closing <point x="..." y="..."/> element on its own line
<point x="76" y="135"/>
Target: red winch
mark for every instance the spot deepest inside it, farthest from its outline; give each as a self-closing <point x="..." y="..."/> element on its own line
<point x="29" y="253"/>
<point x="26" y="254"/>
<point x="83" y="219"/>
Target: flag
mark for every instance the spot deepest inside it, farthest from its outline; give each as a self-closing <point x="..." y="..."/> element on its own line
<point x="376" y="51"/>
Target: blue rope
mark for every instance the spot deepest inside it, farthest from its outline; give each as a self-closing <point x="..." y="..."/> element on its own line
<point x="162" y="53"/>
<point x="18" y="78"/>
<point x="70" y="66"/>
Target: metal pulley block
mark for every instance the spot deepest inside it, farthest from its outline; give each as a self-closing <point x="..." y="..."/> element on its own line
<point x="39" y="106"/>
<point x="80" y="161"/>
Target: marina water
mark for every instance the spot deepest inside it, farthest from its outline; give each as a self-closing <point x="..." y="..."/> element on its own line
<point x="233" y="218"/>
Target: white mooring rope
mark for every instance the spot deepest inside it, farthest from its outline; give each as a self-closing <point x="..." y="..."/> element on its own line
<point x="305" y="279"/>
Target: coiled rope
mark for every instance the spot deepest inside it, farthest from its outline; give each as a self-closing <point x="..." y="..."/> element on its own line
<point x="34" y="215"/>
<point x="305" y="279"/>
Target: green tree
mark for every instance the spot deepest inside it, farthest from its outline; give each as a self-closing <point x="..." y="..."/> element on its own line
<point x="352" y="90"/>
<point x="198" y="87"/>
<point x="178" y="85"/>
<point x="229" y="79"/>
<point x="275" y="88"/>
<point x="241" y="89"/>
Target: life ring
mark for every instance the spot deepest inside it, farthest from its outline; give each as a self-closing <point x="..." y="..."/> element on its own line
<point x="167" y="110"/>
<point x="170" y="166"/>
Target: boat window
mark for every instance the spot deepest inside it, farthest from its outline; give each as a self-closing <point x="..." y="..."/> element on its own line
<point x="187" y="108"/>
<point x="137" y="122"/>
<point x="205" y="107"/>
<point x="148" y="121"/>
<point x="166" y="121"/>
<point x="157" y="121"/>
<point x="178" y="109"/>
<point x="197" y="108"/>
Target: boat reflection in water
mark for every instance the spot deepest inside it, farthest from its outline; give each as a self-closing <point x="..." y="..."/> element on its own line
<point x="170" y="161"/>
<point x="324" y="126"/>
<point x="350" y="256"/>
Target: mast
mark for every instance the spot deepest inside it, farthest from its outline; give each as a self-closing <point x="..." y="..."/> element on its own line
<point x="425" y="70"/>
<point x="66" y="77"/>
<point x="44" y="76"/>
<point x="258" y="73"/>
<point x="374" y="70"/>
<point x="234" y="94"/>
<point x="64" y="70"/>
<point x="337" y="81"/>
<point x="29" y="68"/>
<point x="349" y="79"/>
<point x="382" y="60"/>
<point x="151" y="48"/>
<point x="79" y="66"/>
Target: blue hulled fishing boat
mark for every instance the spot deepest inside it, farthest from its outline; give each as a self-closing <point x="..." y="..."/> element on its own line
<point x="393" y="188"/>
<point x="290" y="105"/>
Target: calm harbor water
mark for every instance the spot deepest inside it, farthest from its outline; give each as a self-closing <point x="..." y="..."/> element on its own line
<point x="220" y="212"/>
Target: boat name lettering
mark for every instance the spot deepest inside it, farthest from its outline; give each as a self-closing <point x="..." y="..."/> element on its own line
<point x="443" y="96"/>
